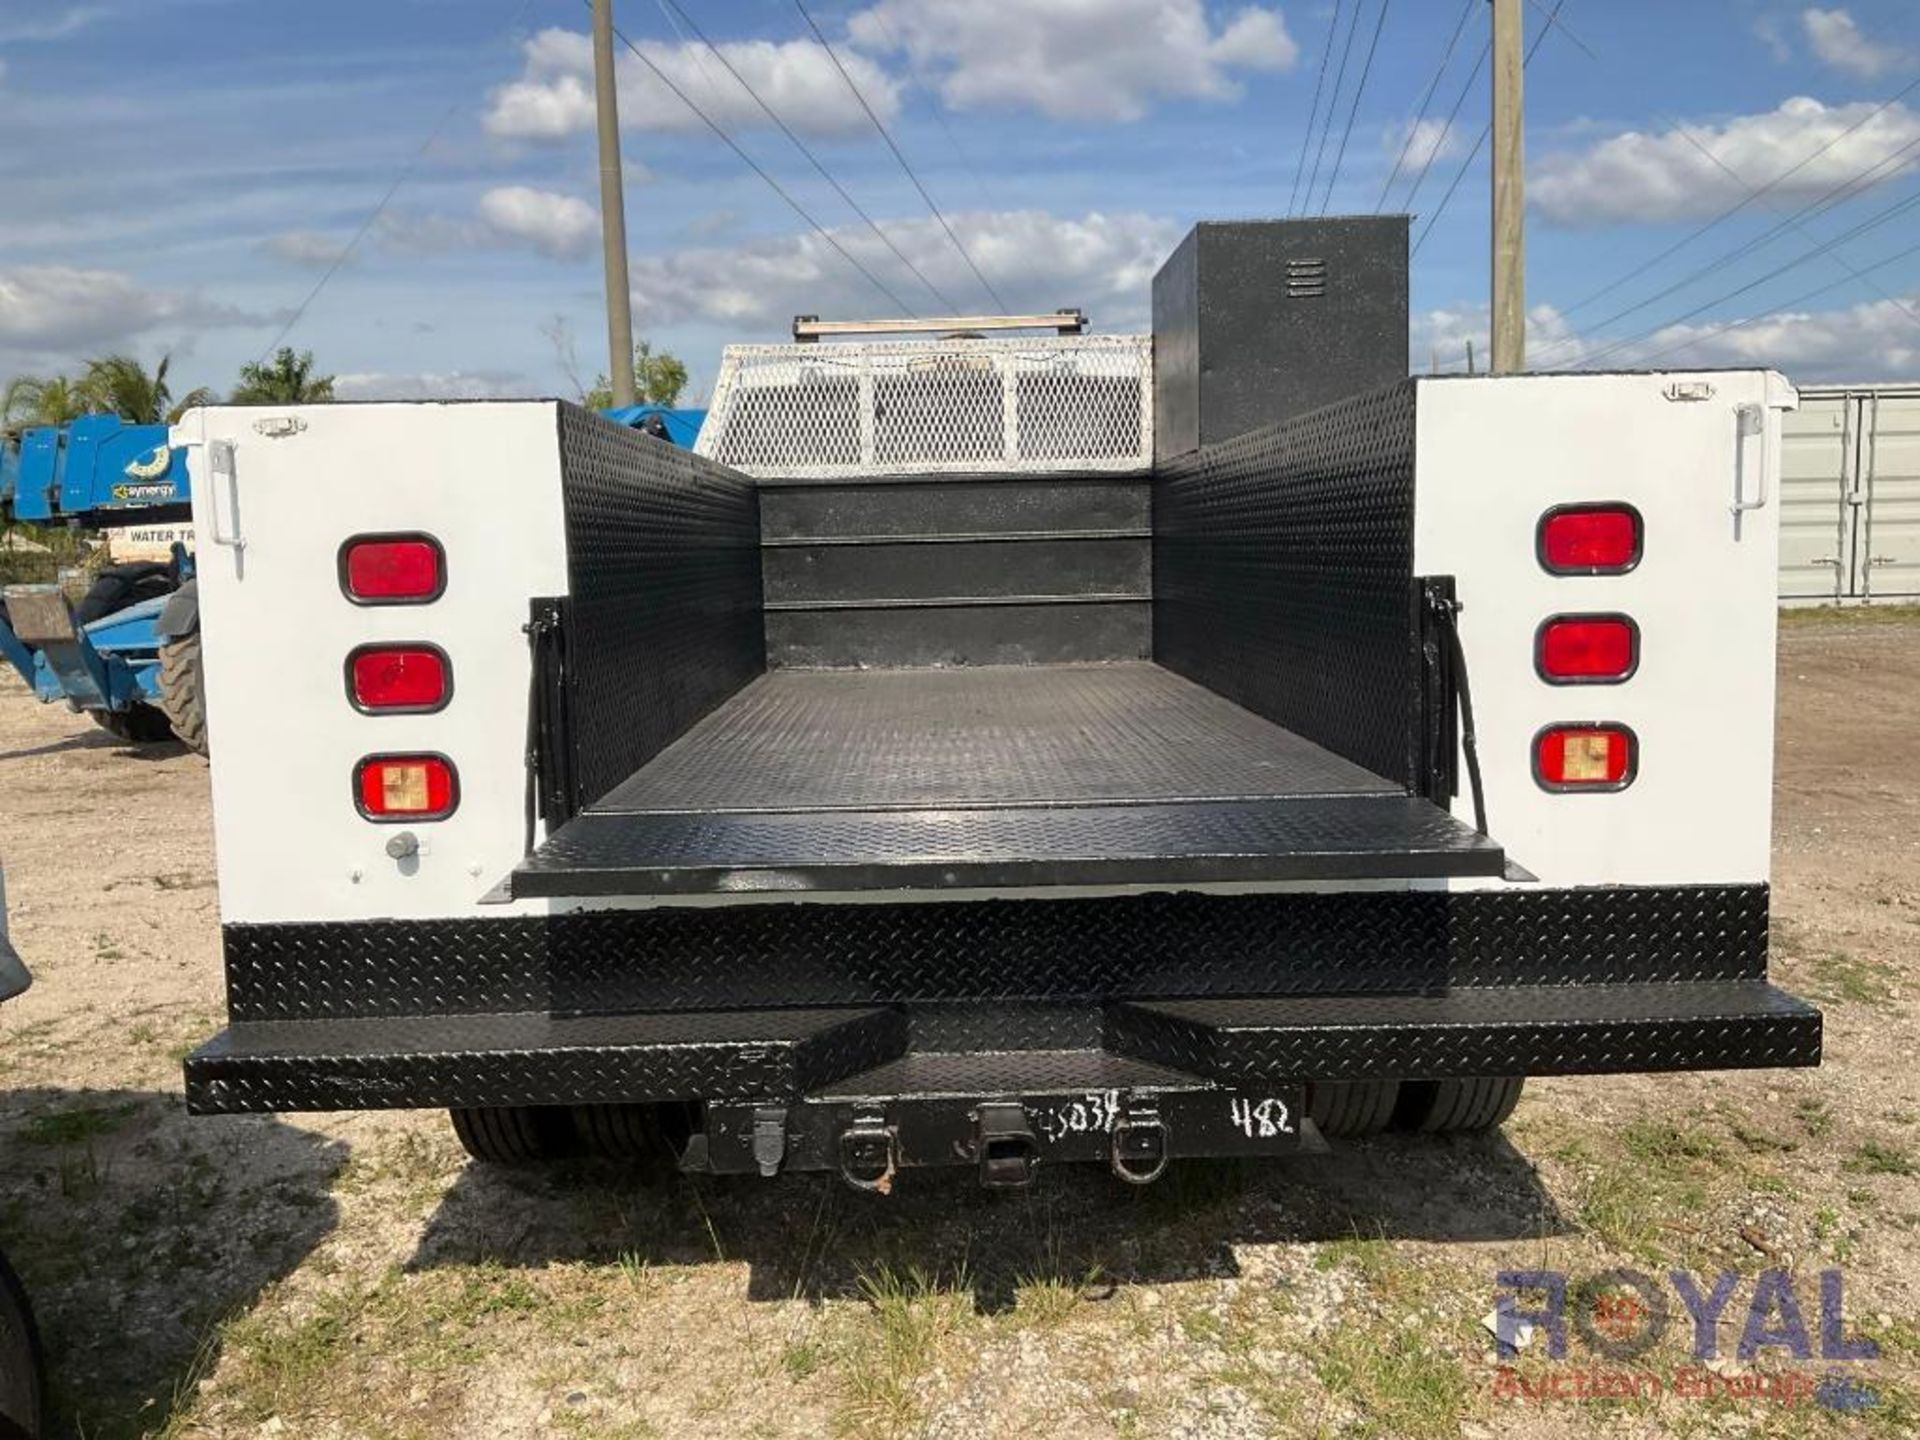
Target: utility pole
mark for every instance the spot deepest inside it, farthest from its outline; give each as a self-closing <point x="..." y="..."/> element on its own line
<point x="1509" y="191"/>
<point x="613" y="209"/>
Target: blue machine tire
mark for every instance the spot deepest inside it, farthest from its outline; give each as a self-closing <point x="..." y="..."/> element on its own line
<point x="22" y="1397"/>
<point x="119" y="586"/>
<point x="183" y="694"/>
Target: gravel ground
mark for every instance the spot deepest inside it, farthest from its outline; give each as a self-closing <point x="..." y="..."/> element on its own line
<point x="350" y="1275"/>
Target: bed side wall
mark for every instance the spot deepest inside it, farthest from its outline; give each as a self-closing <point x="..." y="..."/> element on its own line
<point x="1282" y="575"/>
<point x="664" y="617"/>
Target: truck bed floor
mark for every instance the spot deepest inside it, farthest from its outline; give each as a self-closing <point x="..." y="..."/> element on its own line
<point x="931" y="780"/>
<point x="814" y="740"/>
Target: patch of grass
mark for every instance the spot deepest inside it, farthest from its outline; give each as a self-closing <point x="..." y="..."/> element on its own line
<point x="1815" y="1118"/>
<point x="1665" y="1146"/>
<point x="1047" y="1300"/>
<point x="79" y="1125"/>
<point x="594" y="1427"/>
<point x="1402" y="1385"/>
<point x="106" y="948"/>
<point x="909" y="1314"/>
<point x="800" y="1359"/>
<point x="1876" y="1157"/>
<point x="1837" y="977"/>
<point x="1374" y="1258"/>
<point x="1617" y="1210"/>
<point x="284" y="1363"/>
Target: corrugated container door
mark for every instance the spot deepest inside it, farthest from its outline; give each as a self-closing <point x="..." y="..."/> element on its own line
<point x="1817" y="519"/>
<point x="1887" y="562"/>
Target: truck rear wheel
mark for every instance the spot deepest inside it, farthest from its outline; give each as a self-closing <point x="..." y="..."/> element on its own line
<point x="1457" y="1107"/>
<point x="21" y="1401"/>
<point x="513" y="1134"/>
<point x="1351" y="1108"/>
<point x="183" y="696"/>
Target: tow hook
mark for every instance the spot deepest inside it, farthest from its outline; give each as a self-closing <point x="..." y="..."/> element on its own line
<point x="869" y="1154"/>
<point x="1006" y="1146"/>
<point x="1140" y="1151"/>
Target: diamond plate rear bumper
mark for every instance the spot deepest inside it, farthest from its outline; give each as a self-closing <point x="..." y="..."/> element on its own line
<point x="785" y="1055"/>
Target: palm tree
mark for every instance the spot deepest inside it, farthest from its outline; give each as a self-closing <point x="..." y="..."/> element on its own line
<point x="287" y="379"/>
<point x="121" y="385"/>
<point x="33" y="400"/>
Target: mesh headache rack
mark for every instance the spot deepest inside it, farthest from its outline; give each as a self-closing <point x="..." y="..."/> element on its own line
<point x="1001" y="405"/>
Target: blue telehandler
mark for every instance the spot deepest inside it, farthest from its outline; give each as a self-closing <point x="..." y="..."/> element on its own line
<point x="128" y="652"/>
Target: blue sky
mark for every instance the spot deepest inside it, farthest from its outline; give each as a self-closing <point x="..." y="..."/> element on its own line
<point x="175" y="175"/>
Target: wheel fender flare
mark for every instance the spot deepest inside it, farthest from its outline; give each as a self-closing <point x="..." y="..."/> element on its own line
<point x="181" y="614"/>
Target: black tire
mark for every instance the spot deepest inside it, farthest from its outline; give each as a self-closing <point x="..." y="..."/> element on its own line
<point x="1457" y="1107"/>
<point x="119" y="586"/>
<point x="655" y="1135"/>
<point x="1352" y="1108"/>
<point x="138" y="725"/>
<point x="22" y="1393"/>
<point x="183" y="693"/>
<point x="514" y="1134"/>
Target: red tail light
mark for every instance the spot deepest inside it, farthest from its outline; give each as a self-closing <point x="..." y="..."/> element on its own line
<point x="1585" y="757"/>
<point x="393" y="569"/>
<point x="1586" y="649"/>
<point x="399" y="679"/>
<point x="1590" y="539"/>
<point x="406" y="787"/>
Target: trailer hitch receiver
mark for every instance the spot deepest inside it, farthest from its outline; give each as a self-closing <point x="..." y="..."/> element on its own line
<point x="1006" y="1146"/>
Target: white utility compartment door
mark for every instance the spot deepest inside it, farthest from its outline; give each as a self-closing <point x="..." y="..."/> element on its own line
<point x="1494" y="455"/>
<point x="483" y="479"/>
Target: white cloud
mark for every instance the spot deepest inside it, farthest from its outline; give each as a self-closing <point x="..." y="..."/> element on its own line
<point x="556" y="225"/>
<point x="553" y="98"/>
<point x="52" y="23"/>
<point x="1103" y="60"/>
<point x="1101" y="262"/>
<point x="562" y="226"/>
<point x="1425" y="140"/>
<point x="1838" y="42"/>
<point x="1641" y="177"/>
<point x="60" y="309"/>
<point x="305" y="248"/>
<point x="1873" y="340"/>
<point x="432" y="385"/>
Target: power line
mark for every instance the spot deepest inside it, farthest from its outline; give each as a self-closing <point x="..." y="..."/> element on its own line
<point x="1313" y="110"/>
<point x="1734" y="209"/>
<point x="379" y="209"/>
<point x="1460" y="100"/>
<point x="879" y="17"/>
<point x="1333" y="104"/>
<point x="760" y="170"/>
<point x="1485" y="134"/>
<point x="898" y="154"/>
<point x="813" y="159"/>
<point x="1752" y="192"/>
<point x="1801" y="299"/>
<point x="1340" y="156"/>
<point x="1873" y="222"/>
<point x="1406" y="146"/>
<point x="1794" y="220"/>
<point x="1826" y="201"/>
